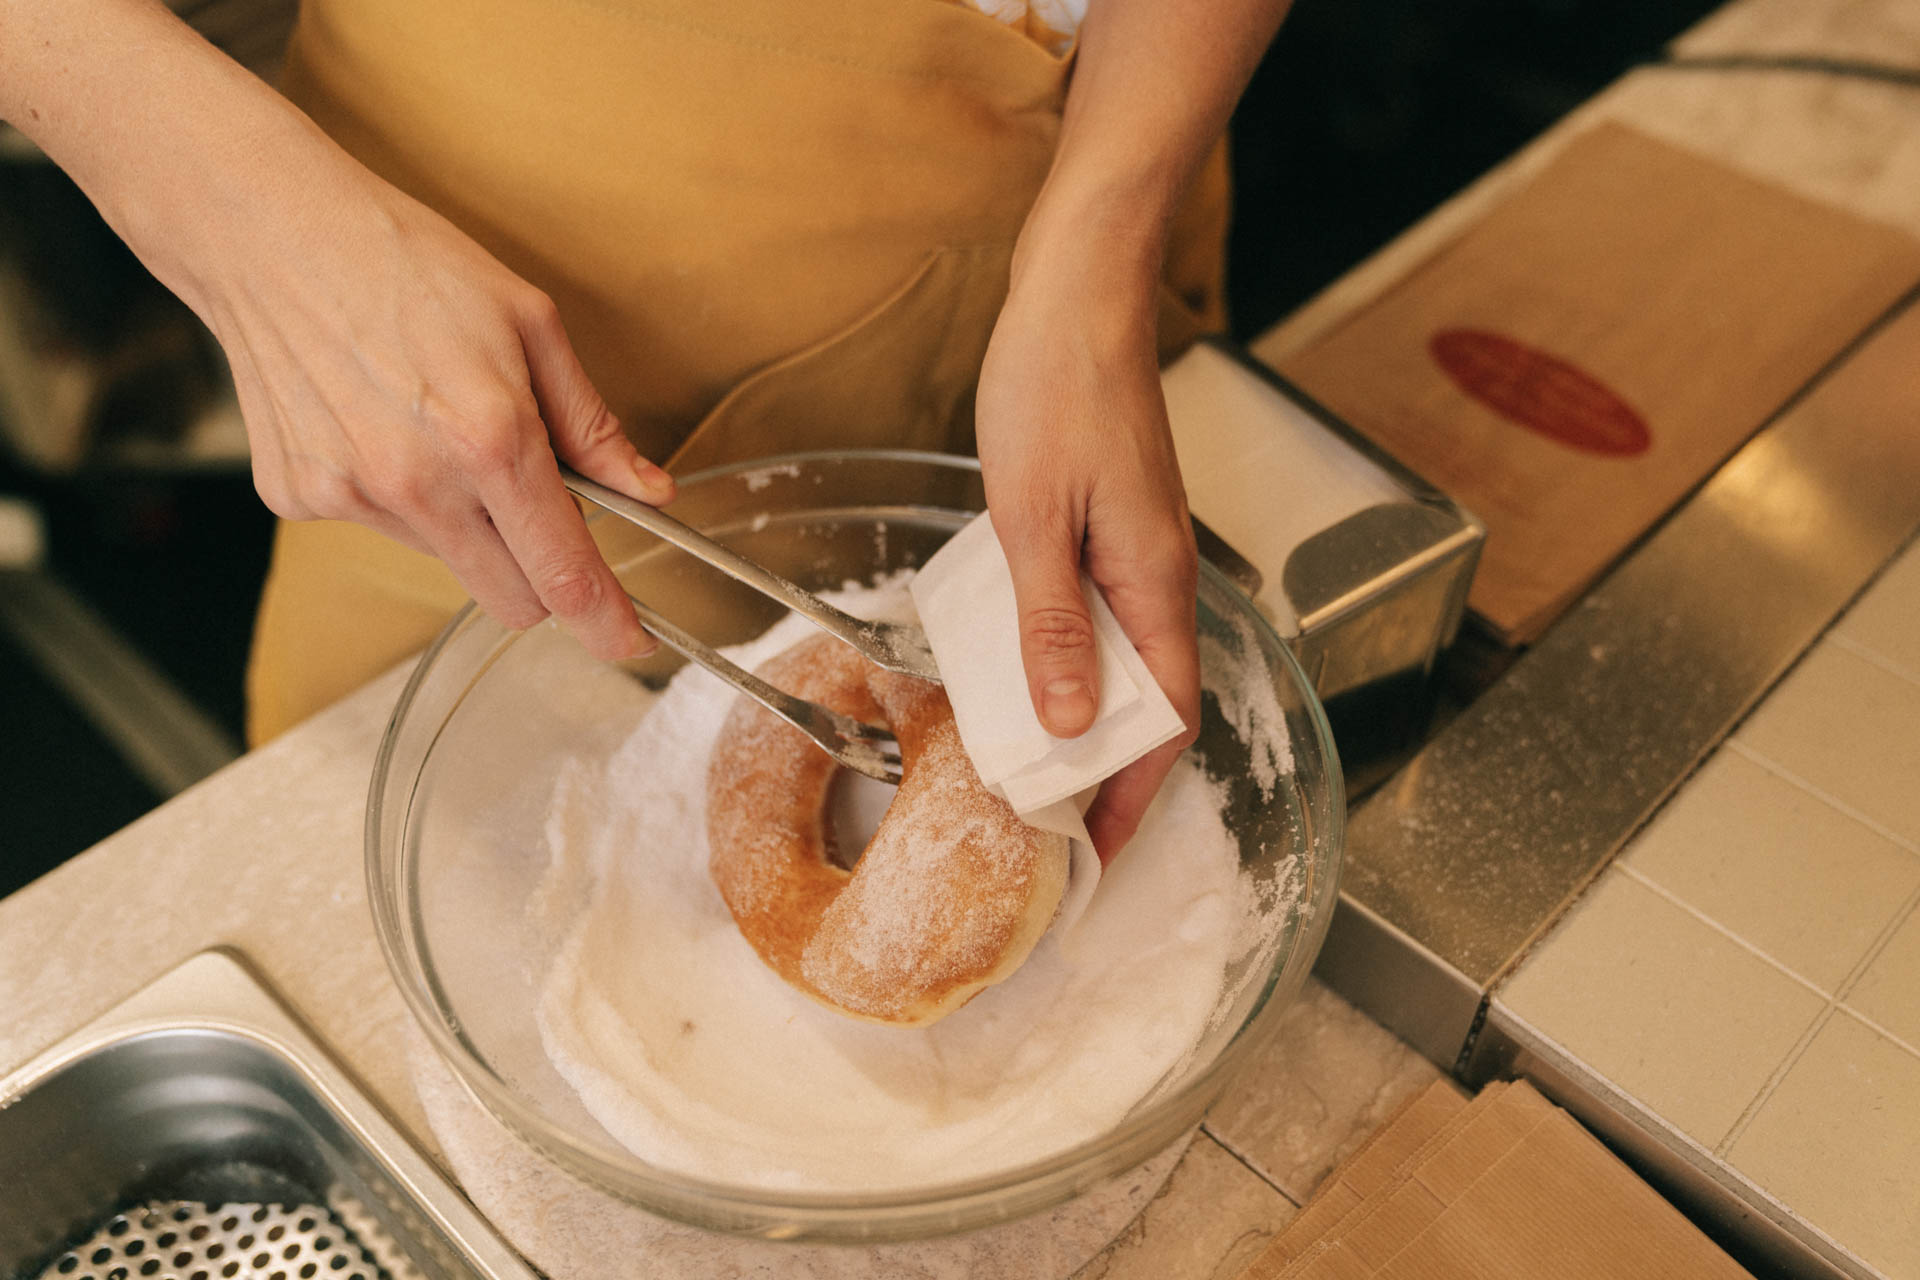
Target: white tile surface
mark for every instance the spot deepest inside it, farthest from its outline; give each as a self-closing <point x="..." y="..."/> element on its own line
<point x="1714" y="973"/>
<point x="1778" y="866"/>
<point x="1839" y="1140"/>
<point x="1664" y="1005"/>
<point x="1850" y="728"/>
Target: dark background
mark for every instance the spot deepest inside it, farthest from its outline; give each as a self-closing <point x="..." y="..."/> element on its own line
<point x="1364" y="115"/>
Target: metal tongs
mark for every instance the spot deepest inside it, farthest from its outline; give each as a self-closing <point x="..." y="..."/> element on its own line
<point x="862" y="747"/>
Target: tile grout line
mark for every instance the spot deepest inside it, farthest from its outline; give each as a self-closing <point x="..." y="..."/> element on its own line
<point x="1722" y="1148"/>
<point x="1207" y="1129"/>
<point x="1873" y="656"/>
<point x="1879" y="944"/>
<point x="1820" y="1019"/>
<point x="1635" y="874"/>
<point x="1597" y="1082"/>
<point x="1841" y="989"/>
<point x="1833" y="1003"/>
<point x="1755" y="756"/>
<point x="1844" y="988"/>
<point x="1871" y="1025"/>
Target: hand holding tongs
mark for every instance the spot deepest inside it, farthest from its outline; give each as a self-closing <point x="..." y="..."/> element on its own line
<point x="895" y="646"/>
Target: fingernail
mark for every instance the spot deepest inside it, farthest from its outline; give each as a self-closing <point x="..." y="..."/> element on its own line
<point x="1068" y="705"/>
<point x="655" y="484"/>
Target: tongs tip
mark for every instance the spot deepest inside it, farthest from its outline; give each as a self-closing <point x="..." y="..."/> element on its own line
<point x="901" y="648"/>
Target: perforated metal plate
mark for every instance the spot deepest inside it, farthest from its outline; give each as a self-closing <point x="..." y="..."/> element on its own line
<point x="185" y="1240"/>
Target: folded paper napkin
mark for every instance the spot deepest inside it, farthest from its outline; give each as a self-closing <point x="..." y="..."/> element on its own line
<point x="964" y="596"/>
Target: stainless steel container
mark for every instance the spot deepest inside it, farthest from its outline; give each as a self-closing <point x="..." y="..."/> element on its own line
<point x="1367" y="595"/>
<point x="196" y="1130"/>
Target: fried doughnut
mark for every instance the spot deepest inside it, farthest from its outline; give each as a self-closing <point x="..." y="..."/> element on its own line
<point x="948" y="897"/>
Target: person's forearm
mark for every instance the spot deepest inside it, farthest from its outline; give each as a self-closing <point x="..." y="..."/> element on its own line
<point x="159" y="128"/>
<point x="1075" y="447"/>
<point x="389" y="370"/>
<point x="1153" y="86"/>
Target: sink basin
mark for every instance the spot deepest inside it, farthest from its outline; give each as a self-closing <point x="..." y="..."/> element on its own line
<point x="198" y="1131"/>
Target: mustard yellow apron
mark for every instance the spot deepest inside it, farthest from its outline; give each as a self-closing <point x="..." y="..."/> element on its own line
<point x="768" y="226"/>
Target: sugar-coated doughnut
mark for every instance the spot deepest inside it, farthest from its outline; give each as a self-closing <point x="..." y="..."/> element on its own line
<point x="949" y="896"/>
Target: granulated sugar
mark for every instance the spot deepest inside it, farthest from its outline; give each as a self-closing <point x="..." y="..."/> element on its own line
<point x="698" y="1058"/>
<point x="1250" y="705"/>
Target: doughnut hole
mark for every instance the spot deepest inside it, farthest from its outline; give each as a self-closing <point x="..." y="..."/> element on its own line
<point x="855" y="805"/>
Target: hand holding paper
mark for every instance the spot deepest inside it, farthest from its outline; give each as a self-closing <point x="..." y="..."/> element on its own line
<point x="966" y="603"/>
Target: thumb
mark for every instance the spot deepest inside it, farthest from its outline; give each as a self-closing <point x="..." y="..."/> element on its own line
<point x="1056" y="632"/>
<point x="584" y="432"/>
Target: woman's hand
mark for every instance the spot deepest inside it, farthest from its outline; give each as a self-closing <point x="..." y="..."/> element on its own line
<point x="393" y="373"/>
<point x="389" y="369"/>
<point x="1080" y="474"/>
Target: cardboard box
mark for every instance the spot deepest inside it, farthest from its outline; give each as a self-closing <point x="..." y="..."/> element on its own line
<point x="1505" y="1187"/>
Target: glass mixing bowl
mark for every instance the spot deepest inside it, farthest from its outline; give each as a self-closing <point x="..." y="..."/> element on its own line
<point x="461" y="790"/>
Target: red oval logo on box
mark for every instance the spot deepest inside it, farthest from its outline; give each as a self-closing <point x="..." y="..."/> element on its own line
<point x="1540" y="392"/>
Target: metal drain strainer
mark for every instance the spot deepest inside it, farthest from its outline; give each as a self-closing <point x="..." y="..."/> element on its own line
<point x="196" y="1131"/>
<point x="188" y="1240"/>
